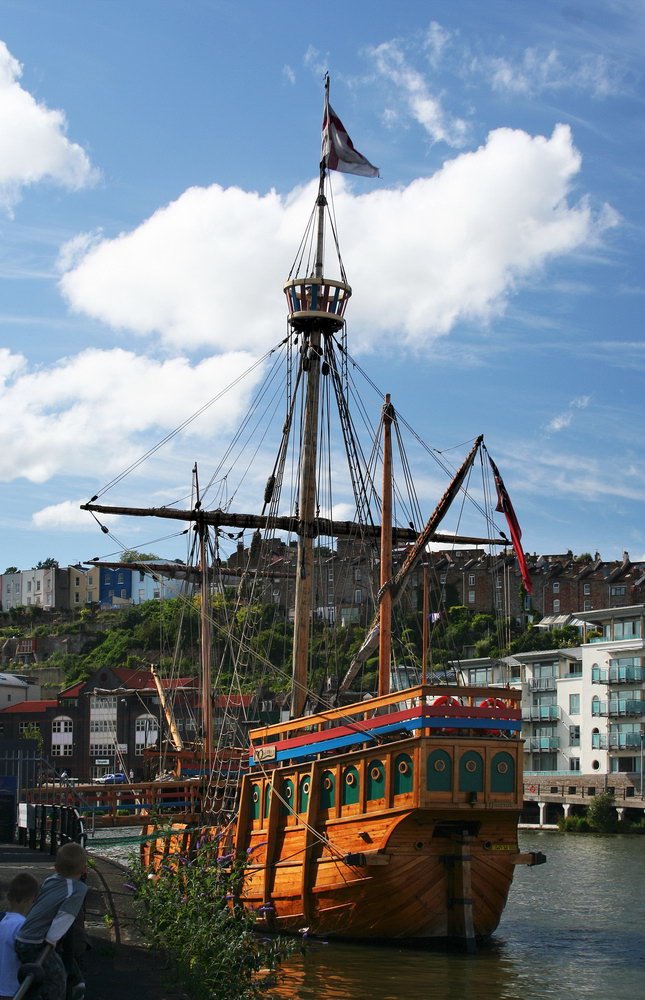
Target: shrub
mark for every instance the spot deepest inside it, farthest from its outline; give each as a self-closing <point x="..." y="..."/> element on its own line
<point x="190" y="912"/>
<point x="602" y="814"/>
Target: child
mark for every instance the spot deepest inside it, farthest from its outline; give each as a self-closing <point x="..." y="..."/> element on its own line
<point x="21" y="894"/>
<point x="57" y="905"/>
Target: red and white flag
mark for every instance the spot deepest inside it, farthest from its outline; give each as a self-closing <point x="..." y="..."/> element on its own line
<point x="504" y="506"/>
<point x="338" y="149"/>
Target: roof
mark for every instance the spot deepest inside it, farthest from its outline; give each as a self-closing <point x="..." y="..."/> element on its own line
<point x="135" y="680"/>
<point x="232" y="700"/>
<point x="29" y="707"/>
<point x="10" y="680"/>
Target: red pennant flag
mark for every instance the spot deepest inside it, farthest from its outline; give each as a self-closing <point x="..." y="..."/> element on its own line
<point x="504" y="506"/>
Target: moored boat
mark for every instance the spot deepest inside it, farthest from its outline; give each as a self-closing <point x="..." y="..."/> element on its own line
<point x="395" y="816"/>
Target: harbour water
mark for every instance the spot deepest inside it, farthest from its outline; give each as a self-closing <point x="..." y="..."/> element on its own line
<point x="573" y="928"/>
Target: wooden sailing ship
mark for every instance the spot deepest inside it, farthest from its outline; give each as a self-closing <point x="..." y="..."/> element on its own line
<point x="394" y="817"/>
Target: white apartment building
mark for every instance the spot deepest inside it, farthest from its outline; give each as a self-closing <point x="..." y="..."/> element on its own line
<point x="583" y="708"/>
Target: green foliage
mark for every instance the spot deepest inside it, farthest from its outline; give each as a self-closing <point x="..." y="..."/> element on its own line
<point x="574" y="824"/>
<point x="191" y="913"/>
<point x="601" y="814"/>
<point x="48" y="563"/>
<point x="132" y="556"/>
<point x="11" y="569"/>
<point x="32" y="732"/>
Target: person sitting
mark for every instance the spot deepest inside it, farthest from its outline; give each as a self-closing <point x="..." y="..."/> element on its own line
<point x="57" y="906"/>
<point x="21" y="894"/>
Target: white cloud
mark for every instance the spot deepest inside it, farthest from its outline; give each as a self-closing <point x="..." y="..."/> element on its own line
<point x="94" y="414"/>
<point x="564" y="420"/>
<point x="207" y="269"/>
<point x="33" y="144"/>
<point x="424" y="107"/>
<point x="544" y="70"/>
<point x="288" y="73"/>
<point x="67" y="516"/>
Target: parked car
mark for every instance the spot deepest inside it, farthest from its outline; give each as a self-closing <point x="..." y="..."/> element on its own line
<point x="112" y="779"/>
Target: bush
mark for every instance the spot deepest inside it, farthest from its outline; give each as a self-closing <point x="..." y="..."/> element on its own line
<point x="191" y="913"/>
<point x="574" y="824"/>
<point x="602" y="814"/>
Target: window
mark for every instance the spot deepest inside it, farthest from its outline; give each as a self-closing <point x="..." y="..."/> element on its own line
<point x="575" y="669"/>
<point x="62" y="749"/>
<point x="358" y="596"/>
<point x="29" y="586"/>
<point x="101" y="749"/>
<point x="124" y="592"/>
<point x="587" y="588"/>
<point x="574" y="736"/>
<point x="27" y="726"/>
<point x="62" y="724"/>
<point x="556" y="587"/>
<point x="618" y="591"/>
<point x="146" y="733"/>
<point x="574" y="763"/>
<point x="77" y="598"/>
<point x="120" y="578"/>
<point x="106" y="578"/>
<point x="556" y="606"/>
<point x="471" y="580"/>
<point x="37" y="584"/>
<point x="471" y="596"/>
<point x="574" y="704"/>
<point x="587" y="606"/>
<point x="77" y="581"/>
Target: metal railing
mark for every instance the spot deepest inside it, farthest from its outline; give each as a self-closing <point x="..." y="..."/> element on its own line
<point x="541" y="713"/>
<point x="541" y="743"/>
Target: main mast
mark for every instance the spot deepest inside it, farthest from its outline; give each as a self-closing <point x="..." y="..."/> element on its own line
<point x="316" y="309"/>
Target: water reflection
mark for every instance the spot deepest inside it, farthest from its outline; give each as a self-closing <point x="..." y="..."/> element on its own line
<point x="573" y="928"/>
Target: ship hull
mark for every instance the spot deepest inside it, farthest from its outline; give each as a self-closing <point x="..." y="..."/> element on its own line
<point x="410" y="840"/>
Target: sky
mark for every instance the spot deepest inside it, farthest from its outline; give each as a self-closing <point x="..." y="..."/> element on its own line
<point x="158" y="163"/>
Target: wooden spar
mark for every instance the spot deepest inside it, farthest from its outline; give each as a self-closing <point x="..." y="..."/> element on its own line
<point x="303" y="603"/>
<point x="385" y="597"/>
<point x="170" y="718"/>
<point x="418" y="549"/>
<point x="321" y="526"/>
<point x="205" y="644"/>
<point x="424" y="634"/>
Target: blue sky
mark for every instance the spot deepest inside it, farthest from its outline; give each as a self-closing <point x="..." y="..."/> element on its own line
<point x="157" y="162"/>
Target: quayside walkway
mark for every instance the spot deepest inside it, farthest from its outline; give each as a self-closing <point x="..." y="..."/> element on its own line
<point x="119" y="965"/>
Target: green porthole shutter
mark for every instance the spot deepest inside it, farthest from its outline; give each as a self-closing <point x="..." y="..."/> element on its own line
<point x="287" y="805"/>
<point x="402" y="774"/>
<point x="303" y="795"/>
<point x="256" y="795"/>
<point x="327" y="789"/>
<point x="502" y="773"/>
<point x="439" y="773"/>
<point x="350" y="789"/>
<point x="471" y="772"/>
<point x="375" y="780"/>
<point x="267" y="800"/>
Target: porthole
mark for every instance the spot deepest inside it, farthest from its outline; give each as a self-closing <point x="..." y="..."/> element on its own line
<point x="419" y="845"/>
<point x="305" y="786"/>
<point x="256" y="796"/>
<point x="439" y="765"/>
<point x="471" y="766"/>
<point x="376" y="774"/>
<point x="288" y="792"/>
<point x="404" y="767"/>
<point x="328" y="783"/>
<point x="350" y="778"/>
<point x="502" y="767"/>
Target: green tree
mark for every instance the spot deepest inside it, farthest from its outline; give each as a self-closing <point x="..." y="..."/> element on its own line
<point x="48" y="563"/>
<point x="11" y="569"/>
<point x="132" y="556"/>
<point x="601" y="814"/>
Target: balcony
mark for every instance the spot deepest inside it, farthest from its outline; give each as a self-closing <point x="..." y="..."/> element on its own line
<point x="618" y="675"/>
<point x="615" y="741"/>
<point x="541" y="713"/>
<point x="622" y="707"/>
<point x="542" y="684"/>
<point x="541" y="744"/>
